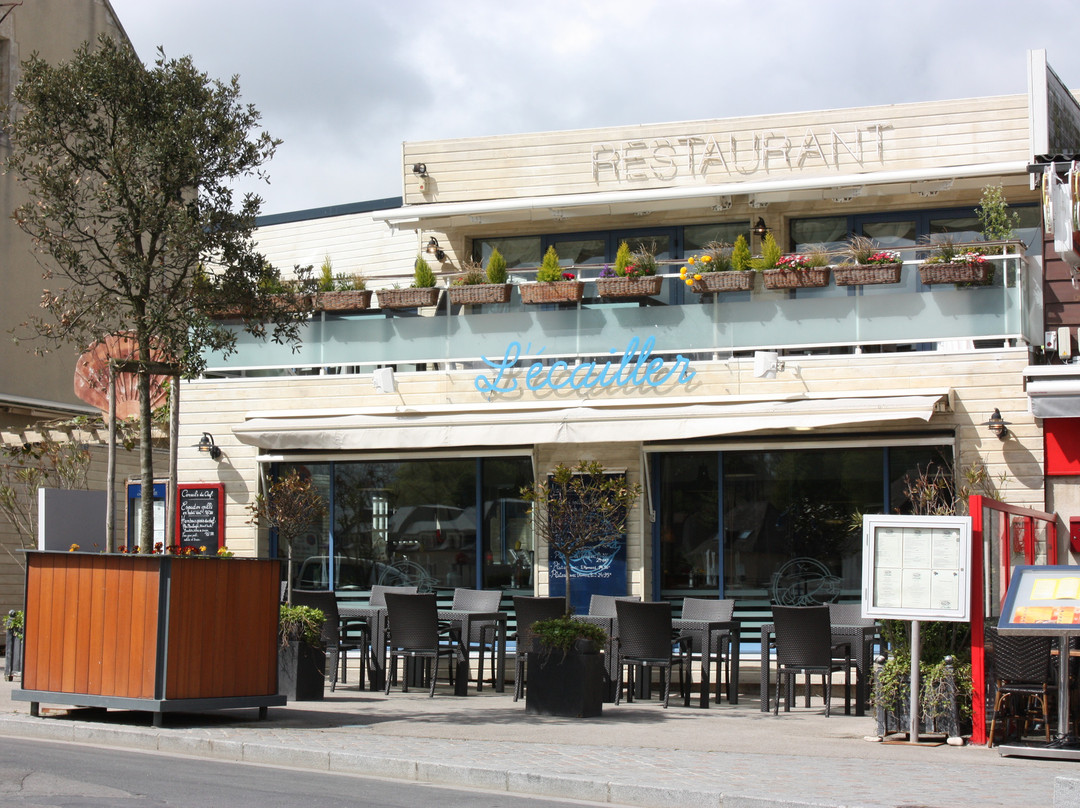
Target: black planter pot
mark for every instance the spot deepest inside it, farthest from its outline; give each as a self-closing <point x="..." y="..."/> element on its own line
<point x="301" y="671"/>
<point x="569" y="685"/>
<point x="13" y="655"/>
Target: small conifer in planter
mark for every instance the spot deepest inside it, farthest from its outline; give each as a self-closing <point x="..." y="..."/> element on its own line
<point x="421" y="293"/>
<point x="553" y="285"/>
<point x="478" y="285"/>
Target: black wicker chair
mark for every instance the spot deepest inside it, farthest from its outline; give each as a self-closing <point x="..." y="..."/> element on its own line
<point x="481" y="634"/>
<point x="414" y="632"/>
<point x="646" y="638"/>
<point x="336" y="633"/>
<point x="1023" y="671"/>
<point x="804" y="645"/>
<point x="528" y="611"/>
<point x="604" y="605"/>
<point x="712" y="610"/>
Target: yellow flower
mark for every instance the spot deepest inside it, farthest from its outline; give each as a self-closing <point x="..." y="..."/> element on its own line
<point x="682" y="272"/>
<point x="697" y="276"/>
<point x="706" y="258"/>
<point x="689" y="281"/>
<point x="690" y="260"/>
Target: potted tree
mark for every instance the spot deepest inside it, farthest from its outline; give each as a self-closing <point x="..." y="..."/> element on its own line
<point x="301" y="653"/>
<point x="565" y="669"/>
<point x="478" y="285"/>
<point x="552" y="284"/>
<point x="422" y="292"/>
<point x="13" y="643"/>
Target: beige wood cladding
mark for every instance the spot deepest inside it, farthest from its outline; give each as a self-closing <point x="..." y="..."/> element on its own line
<point x="719" y="151"/>
<point x="981" y="381"/>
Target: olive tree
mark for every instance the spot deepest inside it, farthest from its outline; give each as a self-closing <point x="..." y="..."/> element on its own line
<point x="290" y="505"/>
<point x="129" y="171"/>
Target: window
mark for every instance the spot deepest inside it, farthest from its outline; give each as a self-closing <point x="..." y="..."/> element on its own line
<point x="697" y="237"/>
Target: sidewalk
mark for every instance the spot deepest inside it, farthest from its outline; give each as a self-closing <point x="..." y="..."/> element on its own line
<point x="635" y="754"/>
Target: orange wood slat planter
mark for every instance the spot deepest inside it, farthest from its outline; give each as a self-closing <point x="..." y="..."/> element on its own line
<point x="157" y="633"/>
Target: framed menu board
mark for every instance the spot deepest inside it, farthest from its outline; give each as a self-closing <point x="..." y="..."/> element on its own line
<point x="199" y="516"/>
<point x="1042" y="600"/>
<point x="916" y="567"/>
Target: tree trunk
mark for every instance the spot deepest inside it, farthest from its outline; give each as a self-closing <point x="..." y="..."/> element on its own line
<point x="566" y="568"/>
<point x="146" y="453"/>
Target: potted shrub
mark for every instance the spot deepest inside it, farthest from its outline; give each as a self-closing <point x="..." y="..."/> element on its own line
<point x="478" y="285"/>
<point x="720" y="268"/>
<point x="868" y="264"/>
<point x="950" y="262"/>
<point x="421" y="293"/>
<point x="14" y="624"/>
<point x="806" y="270"/>
<point x="634" y="275"/>
<point x="552" y="284"/>
<point x="301" y="654"/>
<point x="565" y="669"/>
<point x="341" y="293"/>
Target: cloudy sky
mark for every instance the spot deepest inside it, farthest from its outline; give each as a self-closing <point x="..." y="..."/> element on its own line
<point x="345" y="82"/>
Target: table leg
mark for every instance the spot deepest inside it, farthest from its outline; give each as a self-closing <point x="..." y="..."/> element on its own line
<point x="377" y="659"/>
<point x="500" y="666"/>
<point x="733" y="663"/>
<point x="461" y="681"/>
<point x="764" y="669"/>
<point x="706" y="665"/>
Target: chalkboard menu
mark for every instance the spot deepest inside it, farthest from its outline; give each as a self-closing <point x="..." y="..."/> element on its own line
<point x="199" y="516"/>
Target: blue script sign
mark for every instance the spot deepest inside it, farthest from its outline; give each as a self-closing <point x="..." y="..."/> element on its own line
<point x="634" y="369"/>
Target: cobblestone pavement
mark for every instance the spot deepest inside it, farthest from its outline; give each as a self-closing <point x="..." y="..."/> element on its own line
<point x="730" y="756"/>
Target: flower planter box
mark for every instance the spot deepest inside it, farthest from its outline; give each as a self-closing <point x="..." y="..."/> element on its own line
<point x="301" y="671"/>
<point x="479" y="293"/>
<point x="569" y="685"/>
<point x="725" y="281"/>
<point x="552" y="292"/>
<point x="795" y="279"/>
<point x="867" y="274"/>
<point x="647" y="286"/>
<point x="978" y="274"/>
<point x="158" y="633"/>
<point x="353" y="300"/>
<point x="408" y="298"/>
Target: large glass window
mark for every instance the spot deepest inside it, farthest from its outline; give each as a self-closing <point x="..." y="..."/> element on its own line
<point x="697" y="237"/>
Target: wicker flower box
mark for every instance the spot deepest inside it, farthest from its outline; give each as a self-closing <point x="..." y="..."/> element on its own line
<point x="795" y="279"/>
<point x="955" y="273"/>
<point x="477" y="293"/>
<point x="725" y="281"/>
<point x="552" y="292"/>
<point x="646" y="286"/>
<point x="867" y="274"/>
<point x="411" y="298"/>
<point x="353" y="300"/>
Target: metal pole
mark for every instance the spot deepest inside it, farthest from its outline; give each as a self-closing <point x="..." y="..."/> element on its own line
<point x="913" y="729"/>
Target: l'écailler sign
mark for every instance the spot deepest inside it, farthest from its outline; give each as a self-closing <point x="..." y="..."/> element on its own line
<point x="635" y="368"/>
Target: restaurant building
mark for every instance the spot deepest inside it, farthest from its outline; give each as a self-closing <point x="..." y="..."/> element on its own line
<point x="761" y="423"/>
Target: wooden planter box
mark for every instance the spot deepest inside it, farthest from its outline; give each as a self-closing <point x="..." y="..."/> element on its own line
<point x="867" y="274"/>
<point x="410" y="298"/>
<point x="648" y="286"/>
<point x="795" y="278"/>
<point x="552" y="292"/>
<point x="725" y="281"/>
<point x="978" y="274"/>
<point x="353" y="300"/>
<point x="150" y="632"/>
<point x="477" y="293"/>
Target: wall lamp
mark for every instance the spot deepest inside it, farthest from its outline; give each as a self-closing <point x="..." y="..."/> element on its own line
<point x="419" y="169"/>
<point x="433" y="249"/>
<point x="998" y="425"/>
<point x="759" y="229"/>
<point x="206" y="444"/>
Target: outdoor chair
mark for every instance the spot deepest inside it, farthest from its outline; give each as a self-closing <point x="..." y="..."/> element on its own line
<point x="712" y="610"/>
<point x="804" y="645"/>
<point x="529" y="610"/>
<point x="335" y="632"/>
<point x="482" y="633"/>
<point x="646" y="639"/>
<point x="1023" y="681"/>
<point x="414" y="633"/>
<point x="604" y="605"/>
<point x="848" y="614"/>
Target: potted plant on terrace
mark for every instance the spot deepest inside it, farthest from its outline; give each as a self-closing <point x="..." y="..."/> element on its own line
<point x="949" y="262"/>
<point x="478" y="285"/>
<point x="14" y="625"/>
<point x="552" y="284"/>
<point x="634" y="275"/>
<point x="421" y="293"/>
<point x="341" y="293"/>
<point x="301" y="654"/>
<point x="720" y="268"/>
<point x="805" y="270"/>
<point x="565" y="669"/>
<point x="868" y="264"/>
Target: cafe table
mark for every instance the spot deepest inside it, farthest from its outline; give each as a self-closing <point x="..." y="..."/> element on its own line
<point x="860" y="637"/>
<point x="708" y="634"/>
<point x="460" y="619"/>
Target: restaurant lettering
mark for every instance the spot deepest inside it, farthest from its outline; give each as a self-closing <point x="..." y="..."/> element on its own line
<point x="635" y="368"/>
<point x="714" y="157"/>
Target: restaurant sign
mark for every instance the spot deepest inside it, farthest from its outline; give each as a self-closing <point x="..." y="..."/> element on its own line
<point x="635" y="368"/>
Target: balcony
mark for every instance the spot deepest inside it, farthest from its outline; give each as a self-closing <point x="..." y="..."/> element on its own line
<point x="906" y="316"/>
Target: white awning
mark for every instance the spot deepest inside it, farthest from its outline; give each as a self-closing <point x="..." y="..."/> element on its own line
<point x="1053" y="390"/>
<point x="584" y="422"/>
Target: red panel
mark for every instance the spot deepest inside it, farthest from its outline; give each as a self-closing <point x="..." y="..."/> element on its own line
<point x="1062" y="446"/>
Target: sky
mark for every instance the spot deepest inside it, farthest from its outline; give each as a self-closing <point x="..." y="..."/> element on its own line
<point x="343" y="83"/>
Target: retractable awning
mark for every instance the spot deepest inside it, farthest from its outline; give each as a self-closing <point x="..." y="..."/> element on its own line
<point x="1053" y="390"/>
<point x="582" y="422"/>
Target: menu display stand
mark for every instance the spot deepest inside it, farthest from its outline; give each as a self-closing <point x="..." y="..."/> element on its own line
<point x="1045" y="601"/>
